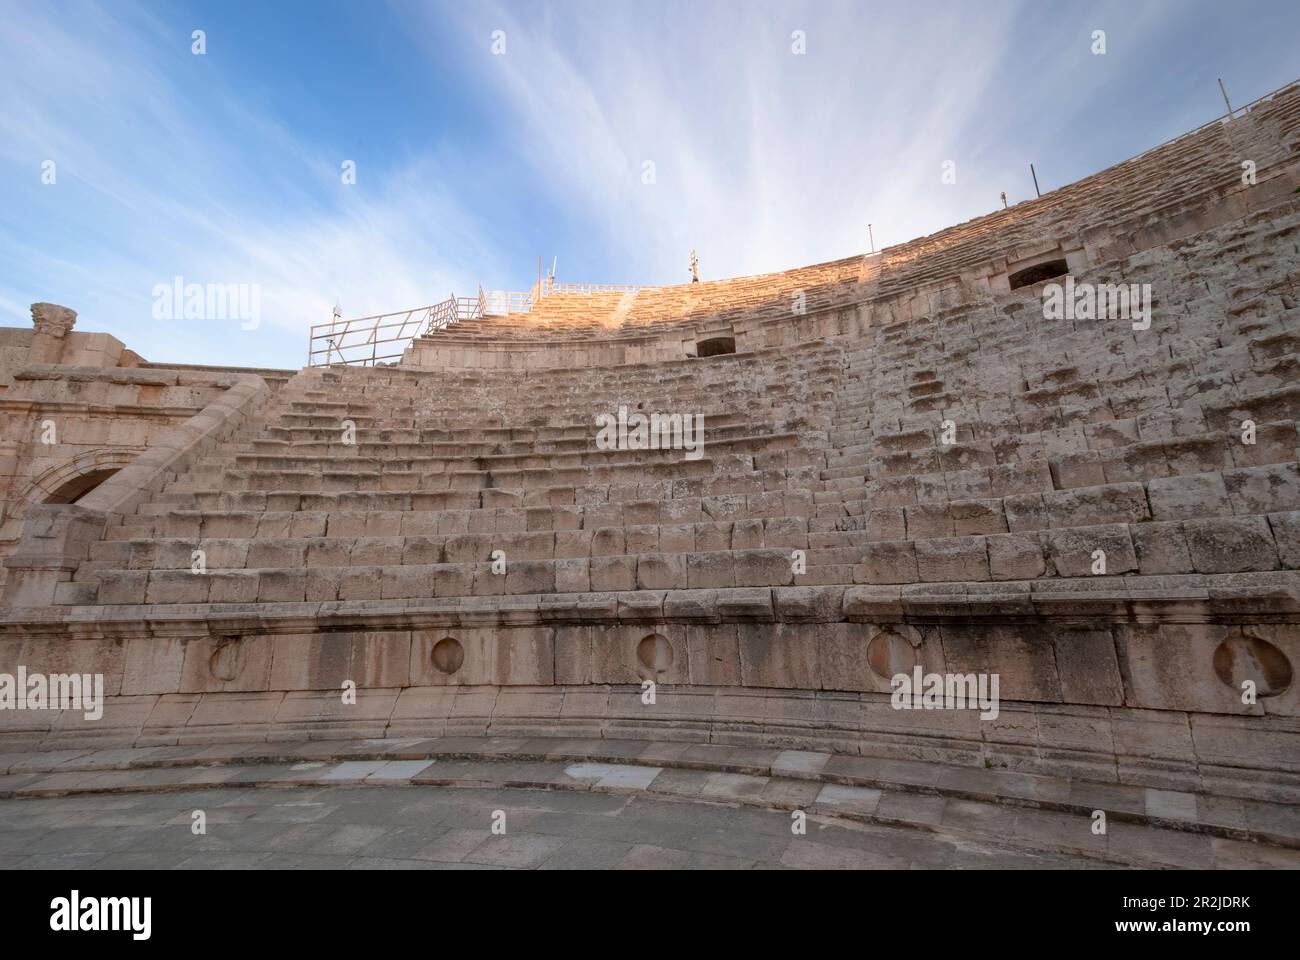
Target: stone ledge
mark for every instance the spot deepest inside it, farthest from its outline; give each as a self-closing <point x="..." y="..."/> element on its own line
<point x="1265" y="597"/>
<point x="147" y="376"/>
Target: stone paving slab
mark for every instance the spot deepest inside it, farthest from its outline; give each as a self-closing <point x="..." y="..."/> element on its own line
<point x="1170" y="828"/>
<point x="368" y="829"/>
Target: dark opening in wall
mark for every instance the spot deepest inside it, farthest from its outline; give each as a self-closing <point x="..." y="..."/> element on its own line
<point x="78" y="487"/>
<point x="715" y="346"/>
<point x="1038" y="273"/>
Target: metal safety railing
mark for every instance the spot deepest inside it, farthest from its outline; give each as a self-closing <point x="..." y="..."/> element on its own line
<point x="550" y="285"/>
<point x="368" y="341"/>
<point x="383" y="338"/>
<point x="502" y="303"/>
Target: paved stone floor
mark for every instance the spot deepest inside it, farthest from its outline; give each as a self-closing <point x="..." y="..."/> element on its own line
<point x="428" y="827"/>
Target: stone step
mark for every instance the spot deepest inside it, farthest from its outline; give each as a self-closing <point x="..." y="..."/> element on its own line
<point x="1208" y="546"/>
<point x="894" y="505"/>
<point x="341" y="477"/>
<point x="297" y="583"/>
<point x="650" y="558"/>
<point x="773" y="508"/>
<point x="336" y="455"/>
<point x="274" y="540"/>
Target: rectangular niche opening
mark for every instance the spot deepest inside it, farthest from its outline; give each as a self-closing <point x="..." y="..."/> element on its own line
<point x="715" y="346"/>
<point x="1038" y="273"/>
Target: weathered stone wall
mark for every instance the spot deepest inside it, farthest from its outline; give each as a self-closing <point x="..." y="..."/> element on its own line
<point x="1107" y="703"/>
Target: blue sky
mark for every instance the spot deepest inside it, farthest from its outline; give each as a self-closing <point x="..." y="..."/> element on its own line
<point x="225" y="168"/>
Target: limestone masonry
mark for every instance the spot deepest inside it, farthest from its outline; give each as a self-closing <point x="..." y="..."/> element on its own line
<point x="907" y="468"/>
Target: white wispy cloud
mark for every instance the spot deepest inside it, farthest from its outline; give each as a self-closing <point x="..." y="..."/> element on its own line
<point x="764" y="159"/>
<point x="170" y="164"/>
<point x="151" y="186"/>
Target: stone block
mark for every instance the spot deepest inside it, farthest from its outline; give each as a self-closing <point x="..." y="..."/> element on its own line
<point x="1071" y="551"/>
<point x="1015" y="556"/>
<point x="525" y="576"/>
<point x="1274" y="488"/>
<point x="712" y="537"/>
<point x="1025" y="477"/>
<point x="709" y="570"/>
<point x="929" y="520"/>
<point x="1091" y="506"/>
<point x="613" y="573"/>
<point x="1161" y="548"/>
<point x="178" y="586"/>
<point x="1188" y="497"/>
<point x="457" y="579"/>
<point x="778" y="655"/>
<point x="891" y="561"/>
<point x="1231" y="545"/>
<point x="714" y="654"/>
<point x="1025" y="512"/>
<point x="282" y="586"/>
<point x="641" y="540"/>
<point x="240" y="586"/>
<point x="886" y="523"/>
<point x="608" y="542"/>
<point x="678" y="538"/>
<point x="747" y="535"/>
<point x="970" y="517"/>
<point x="1286" y="534"/>
<point x="572" y="575"/>
<point x="952" y="559"/>
<point x="1082" y="469"/>
<point x="122" y="586"/>
<point x="1088" y="668"/>
<point x="1022" y="655"/>
<point x="656" y="571"/>
<point x="762" y="568"/>
<point x="573" y="543"/>
<point x="360" y="583"/>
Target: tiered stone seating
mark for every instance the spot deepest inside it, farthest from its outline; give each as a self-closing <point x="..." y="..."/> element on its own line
<point x="574" y="313"/>
<point x="443" y="474"/>
<point x="1071" y="436"/>
<point x="823" y="285"/>
<point x="1074" y="436"/>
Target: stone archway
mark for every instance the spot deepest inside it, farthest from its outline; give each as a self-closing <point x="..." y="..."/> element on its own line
<point x="76" y="488"/>
<point x="68" y="482"/>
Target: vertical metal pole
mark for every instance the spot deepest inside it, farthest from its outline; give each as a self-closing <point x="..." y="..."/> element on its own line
<point x="871" y="234"/>
<point x="1035" y="176"/>
<point x="1225" y="98"/>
